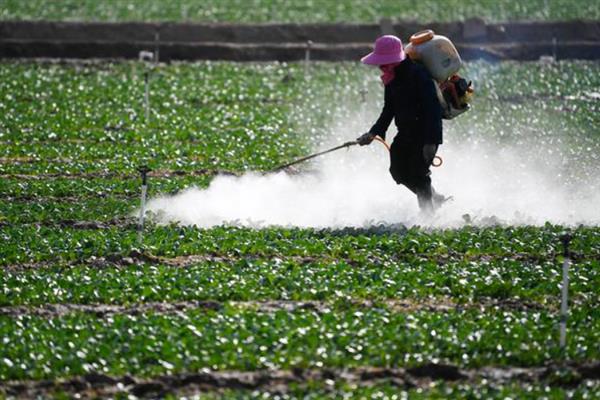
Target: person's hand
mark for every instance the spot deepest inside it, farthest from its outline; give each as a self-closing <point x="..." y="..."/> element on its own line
<point x="429" y="151"/>
<point x="365" y="138"/>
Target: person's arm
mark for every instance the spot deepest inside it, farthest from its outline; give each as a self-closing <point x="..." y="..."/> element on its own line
<point x="431" y="109"/>
<point x="387" y="115"/>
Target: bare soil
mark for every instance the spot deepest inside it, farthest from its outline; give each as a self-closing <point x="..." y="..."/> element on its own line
<point x="99" y="385"/>
<point x="289" y="42"/>
<point x="136" y="257"/>
<point x="268" y="306"/>
<point x="163" y="173"/>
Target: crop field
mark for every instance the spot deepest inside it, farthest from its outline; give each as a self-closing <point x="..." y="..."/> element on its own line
<point x="380" y="311"/>
<point x="297" y="11"/>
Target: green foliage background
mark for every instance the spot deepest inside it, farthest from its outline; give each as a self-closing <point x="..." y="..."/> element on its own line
<point x="249" y="11"/>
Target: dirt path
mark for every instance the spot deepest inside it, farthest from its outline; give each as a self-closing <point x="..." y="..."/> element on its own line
<point x="87" y="175"/>
<point x="269" y="306"/>
<point x="474" y="39"/>
<point x="98" y="385"/>
<point x="136" y="257"/>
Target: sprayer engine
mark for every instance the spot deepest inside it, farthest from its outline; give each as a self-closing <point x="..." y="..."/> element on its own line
<point x="456" y="94"/>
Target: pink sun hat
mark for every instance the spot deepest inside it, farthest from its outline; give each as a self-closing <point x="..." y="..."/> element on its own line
<point x="387" y="50"/>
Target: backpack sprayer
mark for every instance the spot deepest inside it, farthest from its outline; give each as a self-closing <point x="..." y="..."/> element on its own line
<point x="439" y="55"/>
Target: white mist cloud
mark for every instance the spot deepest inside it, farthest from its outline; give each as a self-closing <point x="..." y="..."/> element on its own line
<point x="510" y="182"/>
<point x="353" y="188"/>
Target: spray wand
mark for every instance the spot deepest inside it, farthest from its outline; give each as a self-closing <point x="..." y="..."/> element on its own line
<point x="344" y="146"/>
<point x="300" y="160"/>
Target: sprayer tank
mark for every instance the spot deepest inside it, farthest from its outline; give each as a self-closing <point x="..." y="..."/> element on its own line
<point x="436" y="52"/>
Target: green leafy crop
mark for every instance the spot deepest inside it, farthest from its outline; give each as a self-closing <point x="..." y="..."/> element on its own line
<point x="72" y="135"/>
<point x="247" y="340"/>
<point x="298" y="10"/>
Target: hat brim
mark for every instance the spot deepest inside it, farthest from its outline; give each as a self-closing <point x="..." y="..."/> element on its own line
<point x="383" y="59"/>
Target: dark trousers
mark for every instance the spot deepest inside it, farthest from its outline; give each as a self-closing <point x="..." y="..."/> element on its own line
<point x="408" y="168"/>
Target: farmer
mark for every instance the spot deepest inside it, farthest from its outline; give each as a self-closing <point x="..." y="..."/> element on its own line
<point x="411" y="100"/>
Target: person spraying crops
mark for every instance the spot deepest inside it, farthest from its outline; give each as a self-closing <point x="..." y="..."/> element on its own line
<point x="414" y="100"/>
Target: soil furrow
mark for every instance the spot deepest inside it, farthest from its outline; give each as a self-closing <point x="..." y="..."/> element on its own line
<point x="106" y="174"/>
<point x="95" y="385"/>
<point x="124" y="223"/>
<point x="267" y="306"/>
<point x="138" y="258"/>
<point x="34" y="198"/>
<point x="32" y="160"/>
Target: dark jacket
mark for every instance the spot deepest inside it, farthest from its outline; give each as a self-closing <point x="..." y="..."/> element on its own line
<point x="411" y="99"/>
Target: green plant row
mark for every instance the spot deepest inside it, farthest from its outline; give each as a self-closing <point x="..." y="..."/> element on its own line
<point x="285" y="279"/>
<point x="298" y="11"/>
<point x="149" y="344"/>
<point x="57" y="210"/>
<point x="34" y="244"/>
<point x="203" y="115"/>
<point x="90" y="117"/>
<point x="116" y="187"/>
<point x="437" y="391"/>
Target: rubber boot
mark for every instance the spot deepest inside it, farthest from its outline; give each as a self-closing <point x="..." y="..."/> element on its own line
<point x="438" y="199"/>
<point x="425" y="199"/>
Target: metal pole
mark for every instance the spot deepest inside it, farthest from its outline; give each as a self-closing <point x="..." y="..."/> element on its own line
<point x="147" y="95"/>
<point x="564" y="305"/>
<point x="309" y="44"/>
<point x="156" y="45"/>
<point x="144" y="173"/>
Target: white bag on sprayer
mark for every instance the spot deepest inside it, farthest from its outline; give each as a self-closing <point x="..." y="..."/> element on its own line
<point x="439" y="55"/>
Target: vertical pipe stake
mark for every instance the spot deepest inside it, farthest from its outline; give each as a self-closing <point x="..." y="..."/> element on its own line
<point x="564" y="306"/>
<point x="156" y="45"/>
<point x="309" y="44"/>
<point x="147" y="95"/>
<point x="143" y="170"/>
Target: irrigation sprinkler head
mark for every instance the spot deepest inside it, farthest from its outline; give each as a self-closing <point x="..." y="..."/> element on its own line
<point x="143" y="170"/>
<point x="566" y="241"/>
